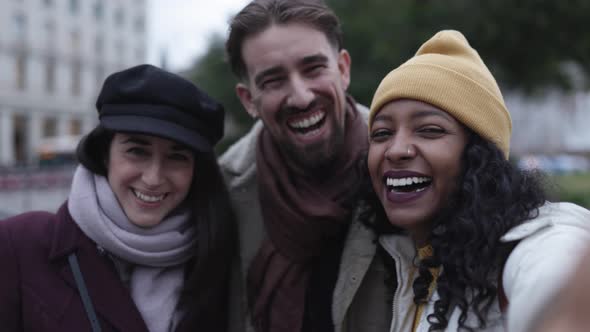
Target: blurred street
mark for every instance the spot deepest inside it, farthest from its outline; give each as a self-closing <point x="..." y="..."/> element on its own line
<point x="24" y="190"/>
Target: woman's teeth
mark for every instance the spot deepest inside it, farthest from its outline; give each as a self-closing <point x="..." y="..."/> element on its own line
<point x="408" y="184"/>
<point x="406" y="181"/>
<point x="148" y="198"/>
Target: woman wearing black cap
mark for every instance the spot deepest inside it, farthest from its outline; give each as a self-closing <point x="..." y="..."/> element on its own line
<point x="144" y="241"/>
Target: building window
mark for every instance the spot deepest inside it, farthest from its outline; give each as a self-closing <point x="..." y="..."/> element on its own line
<point x="50" y="75"/>
<point x="76" y="78"/>
<point x="75" y="127"/>
<point x="20" y="137"/>
<point x="119" y="17"/>
<point x="19" y="25"/>
<point x="50" y="34"/>
<point x="120" y="49"/>
<point x="140" y="54"/>
<point x="98" y="45"/>
<point x="49" y="127"/>
<point x="74" y="7"/>
<point x="75" y="40"/>
<point x="99" y="75"/>
<point x="139" y="24"/>
<point x="98" y="10"/>
<point x="21" y="71"/>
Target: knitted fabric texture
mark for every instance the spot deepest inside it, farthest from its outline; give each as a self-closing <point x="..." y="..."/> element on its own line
<point x="448" y="73"/>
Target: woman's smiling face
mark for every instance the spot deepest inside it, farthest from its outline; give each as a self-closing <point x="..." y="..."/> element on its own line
<point x="150" y="176"/>
<point x="414" y="161"/>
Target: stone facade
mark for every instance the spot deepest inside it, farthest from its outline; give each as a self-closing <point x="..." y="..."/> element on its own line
<point x="54" y="56"/>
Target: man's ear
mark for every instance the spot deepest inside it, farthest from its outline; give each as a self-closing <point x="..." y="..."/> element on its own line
<point x="344" y="67"/>
<point x="245" y="96"/>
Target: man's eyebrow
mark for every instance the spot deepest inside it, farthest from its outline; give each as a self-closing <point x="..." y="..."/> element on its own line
<point x="313" y="59"/>
<point x="265" y="73"/>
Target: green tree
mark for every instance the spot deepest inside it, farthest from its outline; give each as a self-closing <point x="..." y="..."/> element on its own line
<point x="212" y="73"/>
<point x="528" y="44"/>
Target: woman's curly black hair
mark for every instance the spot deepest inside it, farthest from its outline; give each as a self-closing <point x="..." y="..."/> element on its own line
<point x="492" y="197"/>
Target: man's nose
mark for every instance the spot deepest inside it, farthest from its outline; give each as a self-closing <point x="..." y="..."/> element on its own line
<point x="300" y="95"/>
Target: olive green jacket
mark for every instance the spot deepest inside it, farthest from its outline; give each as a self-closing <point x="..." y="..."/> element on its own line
<point x="238" y="165"/>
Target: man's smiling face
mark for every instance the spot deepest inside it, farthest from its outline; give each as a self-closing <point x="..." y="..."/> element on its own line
<point x="296" y="84"/>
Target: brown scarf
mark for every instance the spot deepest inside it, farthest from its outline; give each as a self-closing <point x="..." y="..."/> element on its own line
<point x="302" y="217"/>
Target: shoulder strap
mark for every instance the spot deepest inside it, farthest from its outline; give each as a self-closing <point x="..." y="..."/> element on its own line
<point x="88" y="307"/>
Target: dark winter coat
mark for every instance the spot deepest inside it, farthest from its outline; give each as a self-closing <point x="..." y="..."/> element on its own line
<point x="37" y="288"/>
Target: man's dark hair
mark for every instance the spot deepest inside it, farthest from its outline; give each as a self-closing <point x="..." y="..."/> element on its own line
<point x="258" y="15"/>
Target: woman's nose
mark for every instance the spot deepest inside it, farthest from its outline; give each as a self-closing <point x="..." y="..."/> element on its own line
<point x="153" y="174"/>
<point x="400" y="149"/>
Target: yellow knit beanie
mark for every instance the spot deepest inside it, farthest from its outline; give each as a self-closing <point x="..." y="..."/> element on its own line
<point x="447" y="73"/>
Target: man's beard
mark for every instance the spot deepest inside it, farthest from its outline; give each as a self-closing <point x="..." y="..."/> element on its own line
<point x="318" y="159"/>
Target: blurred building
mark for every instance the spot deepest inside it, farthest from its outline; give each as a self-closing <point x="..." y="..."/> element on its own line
<point x="54" y="56"/>
<point x="553" y="122"/>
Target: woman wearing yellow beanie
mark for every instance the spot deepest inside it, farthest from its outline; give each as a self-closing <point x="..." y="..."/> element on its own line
<point x="469" y="240"/>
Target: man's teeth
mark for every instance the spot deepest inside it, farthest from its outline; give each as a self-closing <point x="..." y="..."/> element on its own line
<point x="308" y="122"/>
<point x="400" y="182"/>
<point x="148" y="198"/>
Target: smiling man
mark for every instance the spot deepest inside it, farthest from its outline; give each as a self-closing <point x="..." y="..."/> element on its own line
<point x="296" y="82"/>
<point x="295" y="177"/>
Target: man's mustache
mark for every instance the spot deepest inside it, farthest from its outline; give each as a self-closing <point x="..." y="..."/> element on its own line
<point x="290" y="110"/>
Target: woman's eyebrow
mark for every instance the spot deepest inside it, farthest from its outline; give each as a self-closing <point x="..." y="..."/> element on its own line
<point x="426" y="113"/>
<point x="382" y="117"/>
<point x="180" y="147"/>
<point x="136" y="140"/>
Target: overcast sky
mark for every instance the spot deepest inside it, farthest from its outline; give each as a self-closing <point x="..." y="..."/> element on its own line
<point x="181" y="28"/>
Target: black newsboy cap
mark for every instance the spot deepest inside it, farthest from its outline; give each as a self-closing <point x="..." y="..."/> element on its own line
<point x="148" y="100"/>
